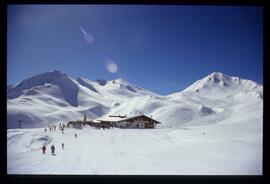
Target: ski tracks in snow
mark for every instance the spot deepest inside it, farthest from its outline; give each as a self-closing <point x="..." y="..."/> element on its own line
<point x="134" y="151"/>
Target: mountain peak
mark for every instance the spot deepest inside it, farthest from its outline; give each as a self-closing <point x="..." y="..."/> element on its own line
<point x="218" y="77"/>
<point x="119" y="80"/>
<point x="216" y="74"/>
<point x="218" y="80"/>
<point x="36" y="80"/>
<point x="55" y="73"/>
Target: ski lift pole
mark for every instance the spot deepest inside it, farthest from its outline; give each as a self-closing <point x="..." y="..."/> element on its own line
<point x="20" y="123"/>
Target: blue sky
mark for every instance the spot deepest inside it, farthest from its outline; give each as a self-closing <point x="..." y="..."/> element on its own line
<point x="161" y="48"/>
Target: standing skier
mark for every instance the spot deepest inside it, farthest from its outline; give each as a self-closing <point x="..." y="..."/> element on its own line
<point x="63" y="146"/>
<point x="43" y="149"/>
<point x="75" y="135"/>
<point x="52" y="149"/>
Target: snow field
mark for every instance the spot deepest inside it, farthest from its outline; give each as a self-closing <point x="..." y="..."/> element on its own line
<point x="221" y="150"/>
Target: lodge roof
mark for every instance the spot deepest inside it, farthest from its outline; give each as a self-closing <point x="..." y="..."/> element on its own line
<point x="119" y="119"/>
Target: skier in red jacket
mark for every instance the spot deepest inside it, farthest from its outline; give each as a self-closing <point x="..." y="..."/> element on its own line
<point x="43" y="149"/>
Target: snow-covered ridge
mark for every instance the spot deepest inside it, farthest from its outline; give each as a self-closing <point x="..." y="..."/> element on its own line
<point x="13" y="91"/>
<point x="54" y="97"/>
<point x="219" y="80"/>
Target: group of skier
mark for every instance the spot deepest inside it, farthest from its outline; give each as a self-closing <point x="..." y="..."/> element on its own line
<point x="53" y="128"/>
<point x="53" y="148"/>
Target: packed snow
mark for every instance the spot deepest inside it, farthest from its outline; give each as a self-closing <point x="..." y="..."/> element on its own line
<point x="209" y="150"/>
<point x="212" y="127"/>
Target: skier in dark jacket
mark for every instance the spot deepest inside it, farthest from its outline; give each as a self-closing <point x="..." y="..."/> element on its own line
<point x="43" y="149"/>
<point x="63" y="146"/>
<point x="52" y="149"/>
<point x="75" y="135"/>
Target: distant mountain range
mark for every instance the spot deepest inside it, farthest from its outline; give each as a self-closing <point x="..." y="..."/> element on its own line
<point x="55" y="97"/>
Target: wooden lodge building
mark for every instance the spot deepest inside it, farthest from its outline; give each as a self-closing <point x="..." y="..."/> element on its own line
<point x="137" y="121"/>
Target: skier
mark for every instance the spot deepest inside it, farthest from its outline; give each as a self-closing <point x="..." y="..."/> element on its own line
<point x="52" y="149"/>
<point x="75" y="135"/>
<point x="43" y="149"/>
<point x="62" y="130"/>
<point x="63" y="146"/>
<point x="45" y="130"/>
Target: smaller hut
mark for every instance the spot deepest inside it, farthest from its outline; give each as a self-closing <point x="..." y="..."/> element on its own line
<point x="79" y="124"/>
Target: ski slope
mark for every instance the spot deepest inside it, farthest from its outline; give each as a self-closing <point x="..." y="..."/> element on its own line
<point x="226" y="149"/>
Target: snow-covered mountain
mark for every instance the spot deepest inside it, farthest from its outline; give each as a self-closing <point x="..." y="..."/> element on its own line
<point x="221" y="84"/>
<point x="55" y="97"/>
<point x="215" y="98"/>
<point x="212" y="127"/>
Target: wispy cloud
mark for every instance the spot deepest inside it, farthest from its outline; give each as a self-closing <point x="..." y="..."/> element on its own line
<point x="88" y="37"/>
<point x="111" y="66"/>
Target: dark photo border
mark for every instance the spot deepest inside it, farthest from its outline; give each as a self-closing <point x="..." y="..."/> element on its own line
<point x="76" y="179"/>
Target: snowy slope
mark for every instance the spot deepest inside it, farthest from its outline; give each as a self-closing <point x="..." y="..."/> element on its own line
<point x="212" y="127"/>
<point x="49" y="99"/>
<point x="206" y="150"/>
